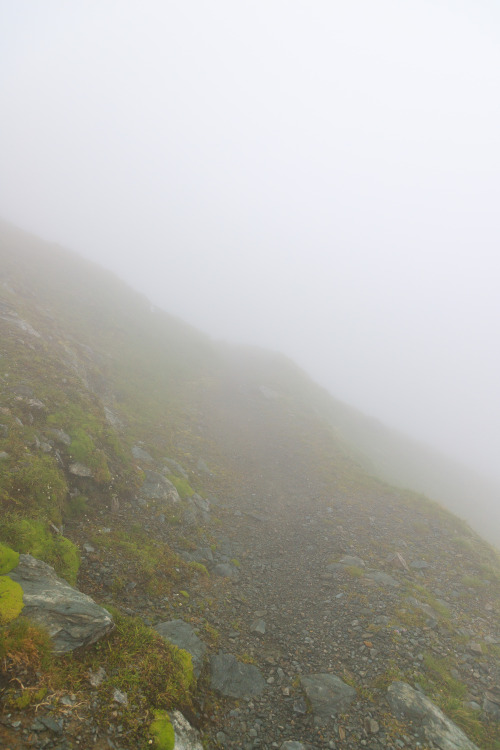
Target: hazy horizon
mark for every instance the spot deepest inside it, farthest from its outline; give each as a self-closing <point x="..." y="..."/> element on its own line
<point x="318" y="179"/>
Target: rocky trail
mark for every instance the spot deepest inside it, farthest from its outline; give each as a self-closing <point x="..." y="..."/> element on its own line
<point x="316" y="614"/>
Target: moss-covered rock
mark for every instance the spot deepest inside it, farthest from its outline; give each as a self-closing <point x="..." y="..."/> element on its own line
<point x="33" y="538"/>
<point x="11" y="600"/>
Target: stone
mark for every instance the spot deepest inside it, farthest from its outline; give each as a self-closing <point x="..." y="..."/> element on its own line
<point x="186" y="737"/>
<point x="491" y="703"/>
<point x="141" y="455"/>
<point x="80" y="470"/>
<point x="158" y="487"/>
<point x="419" y="565"/>
<point x="61" y="436"/>
<point x="351" y="560"/>
<point x="202" y="467"/>
<point x="97" y="678"/>
<point x="292" y="745"/>
<point x="233" y="679"/>
<point x="71" y="618"/>
<point x="201" y="503"/>
<point x="183" y="635"/>
<point x="384" y="579"/>
<point x="226" y="570"/>
<point x="327" y="694"/>
<point x="174" y="467"/>
<point x="258" y="626"/>
<point x="120" y="697"/>
<point x="396" y="560"/>
<point x="428" y="721"/>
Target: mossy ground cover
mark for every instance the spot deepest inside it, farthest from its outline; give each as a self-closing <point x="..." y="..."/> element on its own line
<point x="34" y="537"/>
<point x="151" y="562"/>
<point x="154" y="675"/>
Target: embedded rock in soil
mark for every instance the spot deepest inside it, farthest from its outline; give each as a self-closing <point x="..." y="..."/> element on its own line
<point x="182" y="635"/>
<point x="141" y="455"/>
<point x="327" y="694"/>
<point x="80" y="470"/>
<point x="428" y="720"/>
<point x="233" y="679"/>
<point x="226" y="570"/>
<point x="71" y="618"/>
<point x="186" y="737"/>
<point x="157" y="487"/>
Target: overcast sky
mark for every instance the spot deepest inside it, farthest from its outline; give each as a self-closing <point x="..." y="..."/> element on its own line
<point x="320" y="177"/>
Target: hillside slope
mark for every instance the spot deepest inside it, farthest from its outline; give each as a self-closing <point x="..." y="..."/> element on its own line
<point x="171" y="477"/>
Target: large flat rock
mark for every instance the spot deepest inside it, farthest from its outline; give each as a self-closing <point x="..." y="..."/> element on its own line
<point x="71" y="618"/>
<point x="327" y="694"/>
<point x="234" y="679"/>
<point x="428" y="721"/>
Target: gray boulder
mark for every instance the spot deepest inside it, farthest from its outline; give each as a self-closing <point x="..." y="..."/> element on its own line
<point x="384" y="579"/>
<point x="351" y="560"/>
<point x="428" y="720"/>
<point x="327" y="694"/>
<point x="71" y="618"/>
<point x="182" y="635"/>
<point x="141" y="455"/>
<point x="226" y="570"/>
<point x="80" y="470"/>
<point x="61" y="436"/>
<point x="233" y="679"/>
<point x="186" y="737"/>
<point x="158" y="487"/>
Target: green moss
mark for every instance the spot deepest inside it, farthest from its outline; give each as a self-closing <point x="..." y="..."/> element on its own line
<point x="154" y="563"/>
<point x="198" y="568"/>
<point x="11" y="600"/>
<point x="182" y="486"/>
<point x="355" y="571"/>
<point x="8" y="559"/>
<point x="162" y="731"/>
<point x="34" y="538"/>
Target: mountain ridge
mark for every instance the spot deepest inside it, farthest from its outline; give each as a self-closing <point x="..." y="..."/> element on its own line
<point x="172" y="477"/>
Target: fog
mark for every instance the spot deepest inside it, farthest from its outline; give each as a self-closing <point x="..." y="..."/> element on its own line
<point x="320" y="178"/>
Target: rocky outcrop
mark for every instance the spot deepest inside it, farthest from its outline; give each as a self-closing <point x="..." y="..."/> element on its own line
<point x="71" y="618"/>
<point x="158" y="487"/>
<point x="429" y="722"/>
<point x="234" y="679"/>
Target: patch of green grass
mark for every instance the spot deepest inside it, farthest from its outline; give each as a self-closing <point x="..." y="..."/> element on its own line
<point x="449" y="693"/>
<point x="473" y="582"/>
<point x="154" y="563"/>
<point x="24" y="644"/>
<point x="182" y="486"/>
<point x="34" y="538"/>
<point x="355" y="571"/>
<point x="77" y="506"/>
<point x="423" y="593"/>
<point x="198" y="568"/>
<point x="36" y="487"/>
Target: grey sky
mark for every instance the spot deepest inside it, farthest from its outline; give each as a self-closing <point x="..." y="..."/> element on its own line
<point x="321" y="178"/>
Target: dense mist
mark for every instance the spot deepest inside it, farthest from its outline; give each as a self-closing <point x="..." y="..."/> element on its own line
<point x="321" y="179"/>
